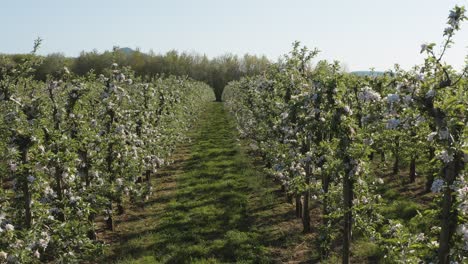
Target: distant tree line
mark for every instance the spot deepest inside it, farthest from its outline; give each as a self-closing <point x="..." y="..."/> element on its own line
<point x="216" y="72"/>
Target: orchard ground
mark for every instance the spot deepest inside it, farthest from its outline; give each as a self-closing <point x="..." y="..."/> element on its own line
<point x="215" y="204"/>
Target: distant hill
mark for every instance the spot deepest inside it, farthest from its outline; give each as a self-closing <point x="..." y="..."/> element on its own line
<point x="368" y="73"/>
<point x="126" y="50"/>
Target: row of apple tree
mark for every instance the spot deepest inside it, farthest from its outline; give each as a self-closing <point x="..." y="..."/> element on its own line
<point x="75" y="149"/>
<point x="324" y="134"/>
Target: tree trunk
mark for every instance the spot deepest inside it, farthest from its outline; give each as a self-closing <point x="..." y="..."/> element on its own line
<point x="289" y="198"/>
<point x="396" y="152"/>
<point x="348" y="217"/>
<point x="148" y="177"/>
<point x="306" y="211"/>
<point x="449" y="216"/>
<point x="218" y="95"/>
<point x="412" y="174"/>
<point x="84" y="170"/>
<point x="59" y="191"/>
<point x="298" y="206"/>
<point x="91" y="232"/>
<point x="396" y="164"/>
<point x="120" y="208"/>
<point x="325" y="186"/>
<point x="25" y="187"/>
<point x="110" y="219"/>
<point x="430" y="176"/>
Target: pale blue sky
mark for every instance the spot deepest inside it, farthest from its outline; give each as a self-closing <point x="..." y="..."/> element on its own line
<point x="360" y="33"/>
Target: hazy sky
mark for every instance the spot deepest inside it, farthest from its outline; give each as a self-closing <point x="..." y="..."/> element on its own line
<point x="360" y="33"/>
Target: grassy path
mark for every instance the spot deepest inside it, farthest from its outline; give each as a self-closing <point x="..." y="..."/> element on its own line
<point x="211" y="206"/>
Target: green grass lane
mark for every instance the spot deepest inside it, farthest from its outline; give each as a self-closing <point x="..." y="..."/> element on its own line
<point x="203" y="216"/>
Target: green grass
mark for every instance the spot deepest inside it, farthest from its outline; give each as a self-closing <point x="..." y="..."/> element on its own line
<point x="205" y="219"/>
<point x="401" y="209"/>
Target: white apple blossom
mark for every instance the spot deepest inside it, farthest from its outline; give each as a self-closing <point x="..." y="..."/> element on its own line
<point x="420" y="237"/>
<point x="454" y="19"/>
<point x="407" y="99"/>
<point x="347" y="110"/>
<point x="446" y="156"/>
<point x="9" y="227"/>
<point x="365" y="119"/>
<point x="43" y="243"/>
<point x="119" y="182"/>
<point x="368" y="95"/>
<point x="430" y="94"/>
<point x="463" y="232"/>
<point x="437" y="185"/>
<point x="13" y="167"/>
<point x="431" y="136"/>
<point x="360" y="181"/>
<point x="393" y="98"/>
<point x="423" y="47"/>
<point x="121" y="77"/>
<point x="368" y="141"/>
<point x="396" y="227"/>
<point x="284" y="115"/>
<point x="444" y="134"/>
<point x="392" y="123"/>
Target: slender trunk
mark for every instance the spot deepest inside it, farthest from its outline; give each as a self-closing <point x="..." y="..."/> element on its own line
<point x="84" y="169"/>
<point x="306" y="211"/>
<point x="325" y="187"/>
<point x="382" y="156"/>
<point x="110" y="219"/>
<point x="396" y="152"/>
<point x="120" y="207"/>
<point x="449" y="216"/>
<point x="298" y="206"/>
<point x="289" y="198"/>
<point x="148" y="177"/>
<point x="59" y="191"/>
<point x="412" y="174"/>
<point x="284" y="189"/>
<point x="26" y="191"/>
<point x="430" y="176"/>
<point x="396" y="163"/>
<point x="91" y="232"/>
<point x="348" y="217"/>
